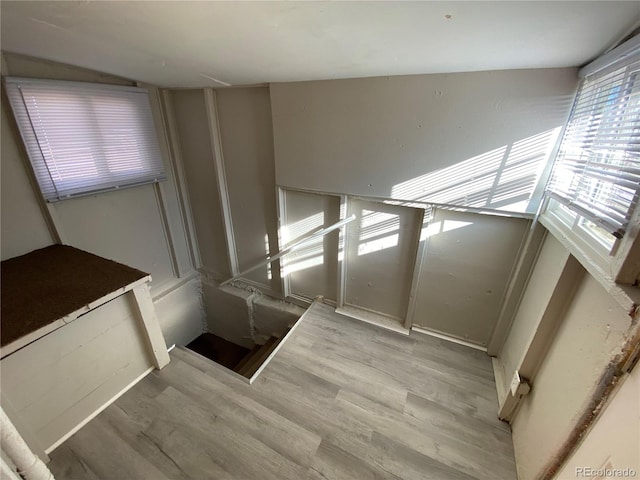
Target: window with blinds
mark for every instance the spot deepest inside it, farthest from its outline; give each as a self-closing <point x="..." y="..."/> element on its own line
<point x="85" y="138"/>
<point x="597" y="169"/>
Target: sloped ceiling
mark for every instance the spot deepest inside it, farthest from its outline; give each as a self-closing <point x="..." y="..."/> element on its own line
<point x="188" y="44"/>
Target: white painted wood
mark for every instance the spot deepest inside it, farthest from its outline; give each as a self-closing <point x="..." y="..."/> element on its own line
<point x="29" y="465"/>
<point x="374" y="318"/>
<point x="420" y="204"/>
<point x="151" y="326"/>
<point x="426" y="331"/>
<point x="421" y="248"/>
<point x="343" y="241"/>
<point x="221" y="177"/>
<point x="170" y="189"/>
<point x="159" y="188"/>
<point x="74" y="370"/>
<point x="626" y="259"/>
<point x="192" y="130"/>
<point x="166" y="229"/>
<point x="627" y="296"/>
<point x="281" y="198"/>
<point x="517" y="283"/>
<point x="301" y="301"/>
<point x="179" y="176"/>
<point x="544" y="332"/>
<point x="612" y="57"/>
<point x="7" y="472"/>
<point x="100" y="409"/>
<point x="41" y="332"/>
<point x="24" y="428"/>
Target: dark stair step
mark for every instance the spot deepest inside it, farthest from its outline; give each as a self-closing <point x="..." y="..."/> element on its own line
<point x="255" y="359"/>
<point x="219" y="350"/>
<point x="247" y="358"/>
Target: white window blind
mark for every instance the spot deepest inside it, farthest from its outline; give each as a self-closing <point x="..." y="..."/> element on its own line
<point x="85" y="138"/>
<point x="597" y="168"/>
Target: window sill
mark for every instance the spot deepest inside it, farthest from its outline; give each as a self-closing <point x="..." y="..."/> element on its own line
<point x="627" y="296"/>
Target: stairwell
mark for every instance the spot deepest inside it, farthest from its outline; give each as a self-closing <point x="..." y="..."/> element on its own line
<point x="243" y="361"/>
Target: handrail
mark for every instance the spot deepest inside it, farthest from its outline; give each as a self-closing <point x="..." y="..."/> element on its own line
<point x="312" y="235"/>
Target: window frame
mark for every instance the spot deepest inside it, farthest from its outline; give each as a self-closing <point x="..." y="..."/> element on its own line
<point x="617" y="261"/>
<point x="144" y="163"/>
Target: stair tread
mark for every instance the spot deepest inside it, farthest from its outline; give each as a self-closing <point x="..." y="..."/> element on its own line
<point x="256" y="360"/>
<point x="247" y="358"/>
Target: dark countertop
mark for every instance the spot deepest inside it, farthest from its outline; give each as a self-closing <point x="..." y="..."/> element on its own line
<point x="45" y="285"/>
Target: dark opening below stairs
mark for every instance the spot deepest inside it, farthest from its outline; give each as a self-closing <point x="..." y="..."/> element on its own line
<point x="234" y="357"/>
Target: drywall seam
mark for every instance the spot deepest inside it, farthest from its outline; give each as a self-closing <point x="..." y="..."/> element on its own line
<point x="216" y="144"/>
<point x="178" y="176"/>
<point x="609" y="378"/>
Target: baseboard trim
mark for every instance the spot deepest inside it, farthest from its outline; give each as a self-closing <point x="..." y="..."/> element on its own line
<point x="426" y="331"/>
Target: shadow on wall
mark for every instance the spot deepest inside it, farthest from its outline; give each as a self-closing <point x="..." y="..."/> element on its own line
<point x="503" y="178"/>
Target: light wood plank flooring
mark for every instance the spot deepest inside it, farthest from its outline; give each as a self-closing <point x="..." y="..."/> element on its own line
<point x="341" y="400"/>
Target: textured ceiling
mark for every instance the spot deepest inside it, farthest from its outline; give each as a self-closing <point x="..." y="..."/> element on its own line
<point x="212" y="43"/>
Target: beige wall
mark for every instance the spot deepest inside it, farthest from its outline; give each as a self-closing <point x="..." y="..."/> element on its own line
<point x="140" y="226"/>
<point x="247" y="143"/>
<point x="244" y="119"/>
<point x="197" y="157"/>
<point x="312" y="270"/>
<point x="370" y="136"/>
<point x="540" y="288"/>
<point x="467" y="264"/>
<point x="23" y="226"/>
<point x="614" y="441"/>
<point x="591" y="330"/>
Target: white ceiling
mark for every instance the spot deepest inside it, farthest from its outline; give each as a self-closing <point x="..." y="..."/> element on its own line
<point x="194" y="43"/>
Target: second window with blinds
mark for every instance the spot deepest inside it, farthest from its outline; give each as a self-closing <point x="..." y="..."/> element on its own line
<point x="85" y="138"/>
<point x="596" y="177"/>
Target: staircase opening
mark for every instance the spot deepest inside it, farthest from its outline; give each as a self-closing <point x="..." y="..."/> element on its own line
<point x="219" y="350"/>
<point x="243" y="361"/>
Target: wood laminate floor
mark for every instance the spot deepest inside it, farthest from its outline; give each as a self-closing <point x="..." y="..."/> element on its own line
<point x="341" y="400"/>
